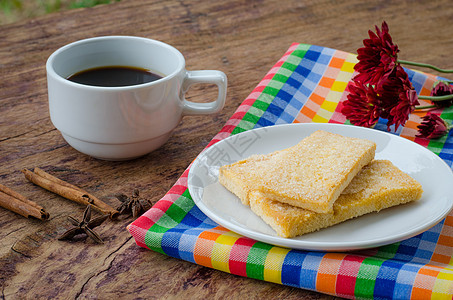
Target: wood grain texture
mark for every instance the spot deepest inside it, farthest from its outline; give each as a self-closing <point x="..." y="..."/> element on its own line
<point x="241" y="38"/>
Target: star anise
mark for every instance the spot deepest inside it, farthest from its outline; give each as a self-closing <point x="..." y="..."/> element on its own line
<point x="133" y="204"/>
<point x="85" y="226"/>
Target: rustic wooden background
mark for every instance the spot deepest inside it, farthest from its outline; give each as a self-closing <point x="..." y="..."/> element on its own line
<point x="241" y="38"/>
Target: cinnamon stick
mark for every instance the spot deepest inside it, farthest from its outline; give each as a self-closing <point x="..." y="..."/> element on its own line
<point x="68" y="191"/>
<point x="17" y="203"/>
<point x="46" y="175"/>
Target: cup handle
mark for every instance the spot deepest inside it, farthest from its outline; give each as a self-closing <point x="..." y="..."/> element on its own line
<point x="205" y="76"/>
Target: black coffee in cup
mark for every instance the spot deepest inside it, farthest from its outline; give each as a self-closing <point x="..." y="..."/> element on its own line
<point x="114" y="76"/>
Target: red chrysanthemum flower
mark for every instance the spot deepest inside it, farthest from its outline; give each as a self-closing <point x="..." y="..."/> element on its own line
<point x="442" y="88"/>
<point x="378" y="58"/>
<point x="362" y="106"/>
<point x="381" y="88"/>
<point x="390" y="89"/>
<point x="432" y="127"/>
<point x="399" y="114"/>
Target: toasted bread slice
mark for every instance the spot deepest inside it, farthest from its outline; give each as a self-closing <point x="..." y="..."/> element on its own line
<point x="237" y="177"/>
<point x="379" y="185"/>
<point x="310" y="175"/>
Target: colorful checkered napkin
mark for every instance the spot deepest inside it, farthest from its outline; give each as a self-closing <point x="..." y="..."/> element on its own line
<point x="308" y="84"/>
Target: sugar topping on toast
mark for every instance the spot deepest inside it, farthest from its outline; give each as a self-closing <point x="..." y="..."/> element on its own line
<point x="379" y="185"/>
<point x="323" y="180"/>
<point x="310" y="175"/>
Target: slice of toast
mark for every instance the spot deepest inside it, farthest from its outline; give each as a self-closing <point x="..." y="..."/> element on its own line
<point x="237" y="177"/>
<point x="379" y="185"/>
<point x="310" y="175"/>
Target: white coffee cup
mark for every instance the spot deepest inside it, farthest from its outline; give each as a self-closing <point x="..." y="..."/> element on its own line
<point x="124" y="122"/>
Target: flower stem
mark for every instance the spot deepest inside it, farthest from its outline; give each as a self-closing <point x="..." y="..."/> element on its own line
<point x="436" y="98"/>
<point x="424" y="107"/>
<point x="411" y="63"/>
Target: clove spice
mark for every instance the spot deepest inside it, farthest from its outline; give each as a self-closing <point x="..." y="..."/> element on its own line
<point x="85" y="226"/>
<point x="133" y="205"/>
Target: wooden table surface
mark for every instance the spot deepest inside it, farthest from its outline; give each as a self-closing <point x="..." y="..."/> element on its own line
<point x="241" y="38"/>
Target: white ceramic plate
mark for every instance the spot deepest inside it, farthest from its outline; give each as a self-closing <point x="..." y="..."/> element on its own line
<point x="372" y="230"/>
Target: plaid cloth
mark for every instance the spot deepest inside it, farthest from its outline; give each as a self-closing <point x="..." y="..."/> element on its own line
<point x="308" y="84"/>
